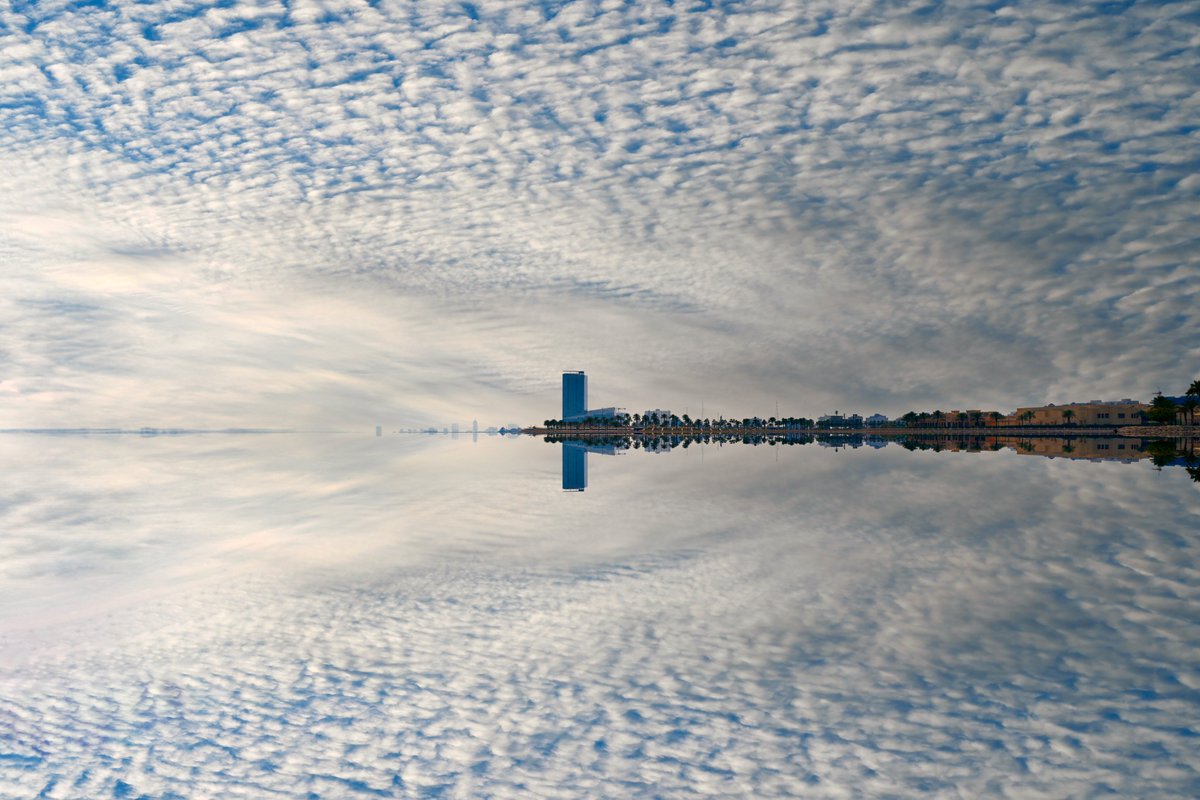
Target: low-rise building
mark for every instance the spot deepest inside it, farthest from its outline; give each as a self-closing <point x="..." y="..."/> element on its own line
<point x="1096" y="413"/>
<point x="839" y="421"/>
<point x="656" y="416"/>
<point x="609" y="413"/>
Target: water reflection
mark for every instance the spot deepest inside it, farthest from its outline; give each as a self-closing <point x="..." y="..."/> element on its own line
<point x="1161" y="452"/>
<point x="574" y="455"/>
<point x="420" y="616"/>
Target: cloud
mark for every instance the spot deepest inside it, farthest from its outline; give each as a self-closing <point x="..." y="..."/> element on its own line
<point x="895" y="204"/>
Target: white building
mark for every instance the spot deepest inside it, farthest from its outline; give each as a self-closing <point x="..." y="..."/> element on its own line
<point x="661" y="415"/>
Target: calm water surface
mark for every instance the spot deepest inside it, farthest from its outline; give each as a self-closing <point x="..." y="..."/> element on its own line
<point x="341" y="616"/>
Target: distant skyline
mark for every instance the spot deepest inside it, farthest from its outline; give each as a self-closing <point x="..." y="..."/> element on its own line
<point x="269" y="215"/>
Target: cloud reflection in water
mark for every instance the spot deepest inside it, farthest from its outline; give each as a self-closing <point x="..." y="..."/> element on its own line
<point x="342" y="617"/>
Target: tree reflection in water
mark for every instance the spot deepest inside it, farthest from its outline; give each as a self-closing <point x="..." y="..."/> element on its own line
<point x="1160" y="452"/>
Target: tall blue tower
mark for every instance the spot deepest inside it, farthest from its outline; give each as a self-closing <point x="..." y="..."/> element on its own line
<point x="574" y="395"/>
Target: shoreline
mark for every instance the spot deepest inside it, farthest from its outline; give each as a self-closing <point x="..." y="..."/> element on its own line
<point x="1161" y="431"/>
<point x="1130" y="431"/>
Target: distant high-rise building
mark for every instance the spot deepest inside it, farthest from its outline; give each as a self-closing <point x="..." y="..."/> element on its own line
<point x="379" y="430"/>
<point x="474" y="426"/>
<point x="574" y="394"/>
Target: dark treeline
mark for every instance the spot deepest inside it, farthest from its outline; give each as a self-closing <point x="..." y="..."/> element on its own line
<point x="1167" y="411"/>
<point x="1163" y="410"/>
<point x="941" y="419"/>
<point x="632" y="421"/>
<point x="656" y="443"/>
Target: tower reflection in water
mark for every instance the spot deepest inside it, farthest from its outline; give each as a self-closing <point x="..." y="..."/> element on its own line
<point x="574" y="463"/>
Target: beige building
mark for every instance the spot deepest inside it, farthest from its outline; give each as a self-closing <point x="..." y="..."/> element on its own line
<point x="1115" y="413"/>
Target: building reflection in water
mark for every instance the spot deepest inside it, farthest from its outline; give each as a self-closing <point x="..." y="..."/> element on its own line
<point x="574" y="471"/>
<point x="1161" y="452"/>
<point x="574" y="462"/>
<point x="1107" y="448"/>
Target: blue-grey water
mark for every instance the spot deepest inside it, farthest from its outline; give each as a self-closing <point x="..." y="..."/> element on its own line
<point x="334" y="616"/>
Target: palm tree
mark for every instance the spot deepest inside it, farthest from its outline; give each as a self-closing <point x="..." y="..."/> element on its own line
<point x="1193" y="400"/>
<point x="1067" y="414"/>
<point x="938" y="416"/>
<point x="1162" y="409"/>
<point x="1189" y="406"/>
<point x="996" y="417"/>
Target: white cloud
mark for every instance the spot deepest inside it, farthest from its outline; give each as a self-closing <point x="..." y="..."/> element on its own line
<point x="804" y="174"/>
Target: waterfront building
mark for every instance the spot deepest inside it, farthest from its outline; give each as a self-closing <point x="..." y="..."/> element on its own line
<point x="839" y="421"/>
<point x="574" y="395"/>
<point x="1096" y="412"/>
<point x="875" y="420"/>
<point x="575" y="400"/>
<point x="656" y="416"/>
<point x="608" y="414"/>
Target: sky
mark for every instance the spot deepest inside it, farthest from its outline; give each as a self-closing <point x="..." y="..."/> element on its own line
<point x="340" y="214"/>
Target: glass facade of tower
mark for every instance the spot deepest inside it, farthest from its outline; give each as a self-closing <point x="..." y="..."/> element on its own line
<point x="574" y="395"/>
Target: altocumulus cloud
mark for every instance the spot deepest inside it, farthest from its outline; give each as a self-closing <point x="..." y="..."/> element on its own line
<point x="885" y="203"/>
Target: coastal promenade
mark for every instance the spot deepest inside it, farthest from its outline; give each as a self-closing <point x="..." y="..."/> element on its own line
<point x="1161" y="431"/>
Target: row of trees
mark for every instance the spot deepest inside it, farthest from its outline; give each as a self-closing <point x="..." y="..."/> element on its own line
<point x="661" y="442"/>
<point x="940" y="419"/>
<point x="1162" y="410"/>
<point x="1166" y="411"/>
<point x="674" y="421"/>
